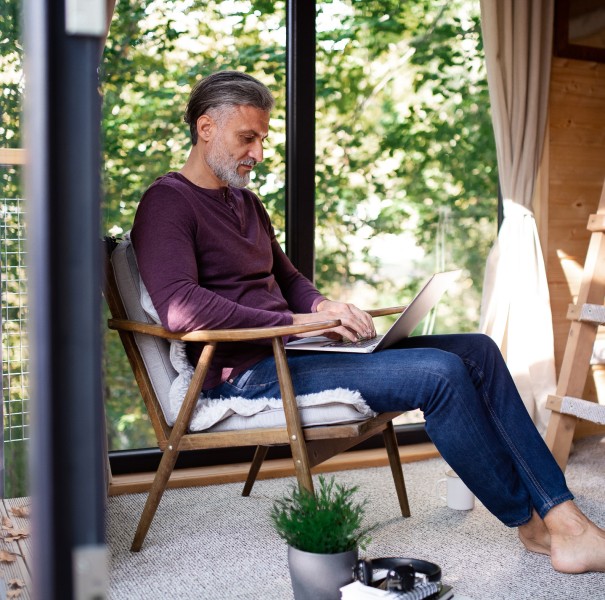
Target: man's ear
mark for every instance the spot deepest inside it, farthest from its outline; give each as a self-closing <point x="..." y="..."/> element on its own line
<point x="205" y="126"/>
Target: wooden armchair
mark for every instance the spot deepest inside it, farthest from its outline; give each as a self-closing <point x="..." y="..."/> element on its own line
<point x="310" y="446"/>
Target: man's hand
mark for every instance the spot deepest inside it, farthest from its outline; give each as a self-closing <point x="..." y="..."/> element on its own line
<point x="356" y="324"/>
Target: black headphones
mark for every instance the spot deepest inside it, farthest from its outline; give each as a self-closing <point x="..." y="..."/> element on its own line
<point x="402" y="573"/>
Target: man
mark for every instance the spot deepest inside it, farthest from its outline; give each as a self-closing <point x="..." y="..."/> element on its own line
<point x="209" y="259"/>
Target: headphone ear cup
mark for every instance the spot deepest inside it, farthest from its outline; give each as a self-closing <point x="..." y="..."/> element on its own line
<point x="363" y="572"/>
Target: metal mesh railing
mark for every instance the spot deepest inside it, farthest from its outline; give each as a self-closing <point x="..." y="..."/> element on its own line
<point x="13" y="277"/>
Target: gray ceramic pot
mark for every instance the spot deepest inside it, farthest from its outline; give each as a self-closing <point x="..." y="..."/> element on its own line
<point x="320" y="576"/>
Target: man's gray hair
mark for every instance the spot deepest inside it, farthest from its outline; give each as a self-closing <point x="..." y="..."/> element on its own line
<point x="225" y="90"/>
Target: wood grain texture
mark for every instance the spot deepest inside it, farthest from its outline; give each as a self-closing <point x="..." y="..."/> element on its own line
<point x="576" y="172"/>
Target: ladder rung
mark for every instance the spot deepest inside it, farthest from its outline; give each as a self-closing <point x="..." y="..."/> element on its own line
<point x="587" y="313"/>
<point x="596" y="222"/>
<point x="583" y="409"/>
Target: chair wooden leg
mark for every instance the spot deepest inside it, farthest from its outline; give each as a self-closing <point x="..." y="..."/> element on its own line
<point x="171" y="452"/>
<point x="298" y="445"/>
<point x="155" y="495"/>
<point x="257" y="461"/>
<point x="390" y="442"/>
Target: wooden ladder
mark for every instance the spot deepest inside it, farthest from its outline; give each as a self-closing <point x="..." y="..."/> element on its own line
<point x="585" y="315"/>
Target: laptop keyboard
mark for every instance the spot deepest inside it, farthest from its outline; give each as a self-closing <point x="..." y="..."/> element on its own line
<point x="359" y="344"/>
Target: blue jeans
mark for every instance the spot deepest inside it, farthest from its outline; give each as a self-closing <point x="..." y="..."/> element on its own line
<point x="473" y="412"/>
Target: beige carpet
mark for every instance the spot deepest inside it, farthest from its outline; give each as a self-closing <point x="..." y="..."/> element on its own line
<point x="210" y="543"/>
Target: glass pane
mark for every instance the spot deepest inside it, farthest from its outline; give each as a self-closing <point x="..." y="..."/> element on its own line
<point x="406" y="164"/>
<point x="406" y="176"/>
<point x="155" y="53"/>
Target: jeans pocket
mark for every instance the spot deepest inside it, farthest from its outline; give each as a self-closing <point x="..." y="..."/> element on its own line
<point x="240" y="381"/>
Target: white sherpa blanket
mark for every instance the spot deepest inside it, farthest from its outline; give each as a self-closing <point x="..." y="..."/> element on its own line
<point x="209" y="413"/>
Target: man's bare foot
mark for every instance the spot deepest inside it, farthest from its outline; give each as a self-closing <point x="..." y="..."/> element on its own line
<point x="577" y="545"/>
<point x="535" y="535"/>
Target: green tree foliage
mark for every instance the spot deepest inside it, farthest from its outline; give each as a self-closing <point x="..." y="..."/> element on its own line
<point x="11" y="77"/>
<point x="403" y="132"/>
<point x="155" y="52"/>
<point x="404" y="143"/>
<point x="12" y="270"/>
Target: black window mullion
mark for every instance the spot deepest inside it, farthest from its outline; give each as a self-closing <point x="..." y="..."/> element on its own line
<point x="300" y="135"/>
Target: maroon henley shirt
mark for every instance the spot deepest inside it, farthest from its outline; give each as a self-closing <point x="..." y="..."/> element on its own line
<point x="210" y="260"/>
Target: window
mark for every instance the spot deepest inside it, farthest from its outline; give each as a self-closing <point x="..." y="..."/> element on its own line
<point x="404" y="158"/>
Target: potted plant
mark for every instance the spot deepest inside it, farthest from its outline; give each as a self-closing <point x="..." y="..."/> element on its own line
<point x="324" y="533"/>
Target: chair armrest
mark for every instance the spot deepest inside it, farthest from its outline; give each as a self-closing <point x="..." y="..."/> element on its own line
<point x="219" y="335"/>
<point x="235" y="335"/>
<point x="381" y="312"/>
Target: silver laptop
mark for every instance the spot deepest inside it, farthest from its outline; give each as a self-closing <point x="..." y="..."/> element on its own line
<point x="411" y="316"/>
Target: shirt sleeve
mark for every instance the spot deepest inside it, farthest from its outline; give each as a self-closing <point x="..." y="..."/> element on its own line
<point x="163" y="237"/>
<point x="302" y="296"/>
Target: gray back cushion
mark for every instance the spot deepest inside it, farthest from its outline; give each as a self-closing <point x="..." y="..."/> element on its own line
<point x="154" y="351"/>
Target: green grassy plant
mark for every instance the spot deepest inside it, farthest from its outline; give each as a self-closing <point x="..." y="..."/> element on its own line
<point x="327" y="522"/>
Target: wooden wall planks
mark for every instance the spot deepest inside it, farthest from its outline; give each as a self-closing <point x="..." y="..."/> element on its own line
<point x="576" y="173"/>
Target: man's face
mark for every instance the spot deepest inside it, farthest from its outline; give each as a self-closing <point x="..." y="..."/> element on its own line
<point x="236" y="145"/>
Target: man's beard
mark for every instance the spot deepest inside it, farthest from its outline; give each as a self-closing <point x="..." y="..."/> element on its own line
<point x="225" y="166"/>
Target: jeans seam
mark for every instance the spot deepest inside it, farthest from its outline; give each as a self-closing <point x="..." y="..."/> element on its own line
<point x="545" y="497"/>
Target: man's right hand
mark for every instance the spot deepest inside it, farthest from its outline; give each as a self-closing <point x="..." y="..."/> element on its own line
<point x="356" y="323"/>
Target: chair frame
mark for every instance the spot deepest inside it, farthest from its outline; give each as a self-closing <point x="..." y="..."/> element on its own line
<point x="310" y="446"/>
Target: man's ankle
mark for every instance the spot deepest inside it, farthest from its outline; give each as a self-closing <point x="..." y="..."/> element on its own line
<point x="565" y="519"/>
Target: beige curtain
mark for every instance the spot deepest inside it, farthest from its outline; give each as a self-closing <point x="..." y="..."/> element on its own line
<point x="515" y="311"/>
